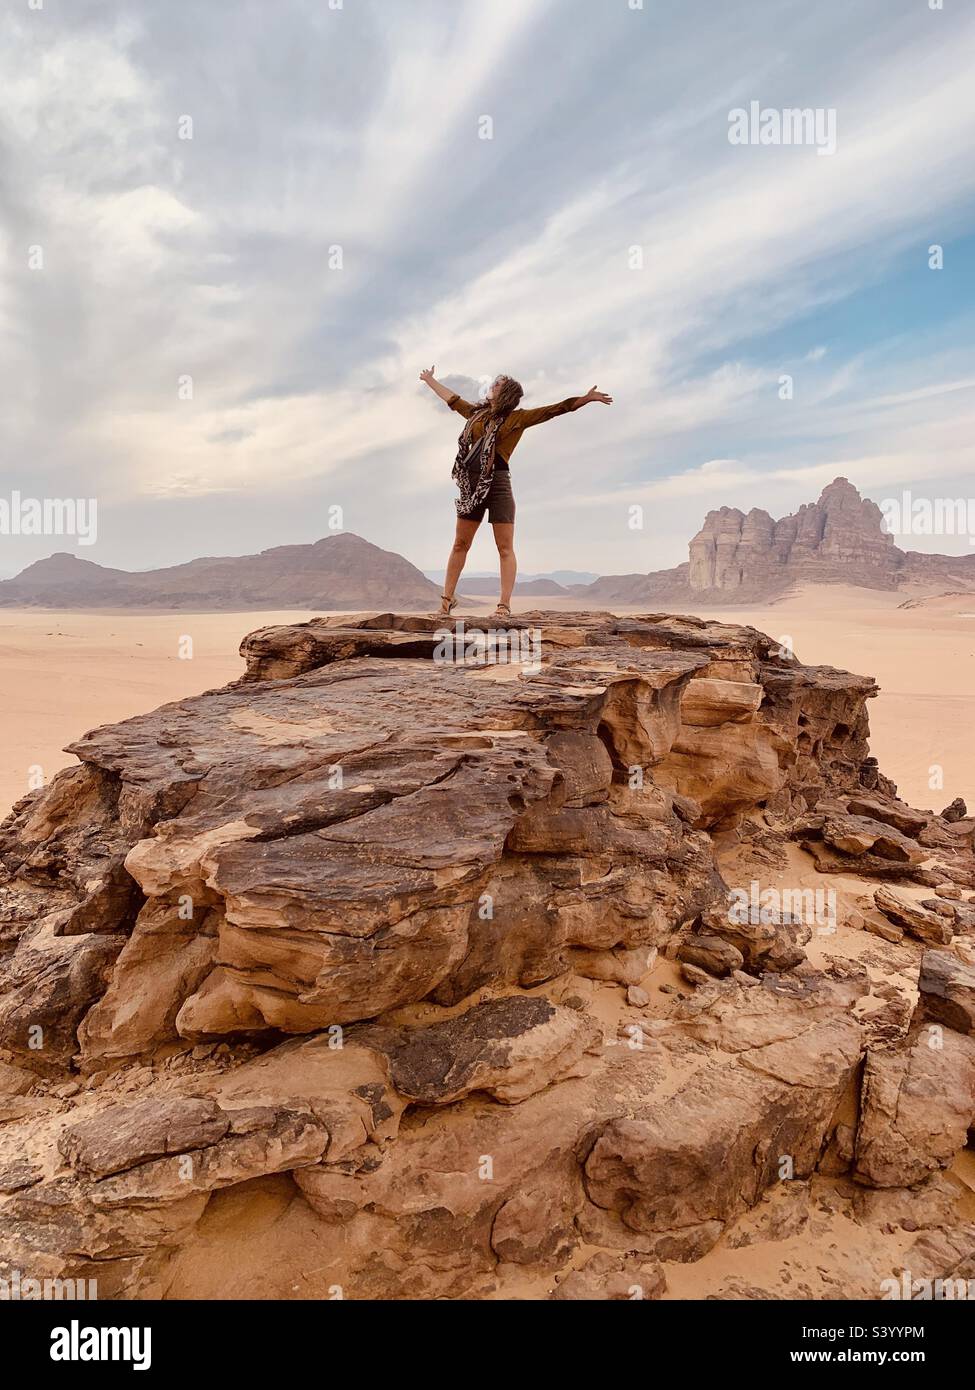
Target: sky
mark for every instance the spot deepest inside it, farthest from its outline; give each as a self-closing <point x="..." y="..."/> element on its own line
<point x="233" y="233"/>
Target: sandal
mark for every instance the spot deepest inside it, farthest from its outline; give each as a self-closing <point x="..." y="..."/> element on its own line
<point x="447" y="606"/>
<point x="502" y="613"/>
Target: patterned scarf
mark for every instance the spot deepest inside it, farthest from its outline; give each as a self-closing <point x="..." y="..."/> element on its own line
<point x="473" y="469"/>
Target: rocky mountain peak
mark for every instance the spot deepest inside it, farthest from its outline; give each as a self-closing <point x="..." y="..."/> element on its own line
<point x="840" y="492"/>
<point x="738" y="557"/>
<point x="838" y="539"/>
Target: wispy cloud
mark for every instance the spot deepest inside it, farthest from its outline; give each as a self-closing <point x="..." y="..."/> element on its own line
<point x="242" y="315"/>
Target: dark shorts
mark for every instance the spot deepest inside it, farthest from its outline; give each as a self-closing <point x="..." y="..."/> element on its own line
<point x="499" y="503"/>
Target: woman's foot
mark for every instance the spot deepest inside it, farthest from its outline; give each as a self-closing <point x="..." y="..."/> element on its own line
<point x="447" y="606"/>
<point x="501" y="614"/>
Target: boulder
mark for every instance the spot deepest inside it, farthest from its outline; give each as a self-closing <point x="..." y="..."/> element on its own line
<point x="508" y="1048"/>
<point x="918" y="921"/>
<point x="947" y="991"/>
<point x="916" y="1107"/>
<point x="712" y="1149"/>
<point x="710" y="953"/>
<point x="126" y="1135"/>
<point x="889" y="811"/>
<point x="46" y="988"/>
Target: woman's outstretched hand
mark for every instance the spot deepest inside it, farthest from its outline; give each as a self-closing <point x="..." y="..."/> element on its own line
<point x="595" y="395"/>
<point x="444" y="392"/>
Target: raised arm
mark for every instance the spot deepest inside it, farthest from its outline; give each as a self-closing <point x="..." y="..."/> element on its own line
<point x="444" y="392"/>
<point x="527" y="418"/>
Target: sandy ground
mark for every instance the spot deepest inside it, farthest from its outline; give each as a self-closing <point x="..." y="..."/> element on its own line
<point x="65" y="673"/>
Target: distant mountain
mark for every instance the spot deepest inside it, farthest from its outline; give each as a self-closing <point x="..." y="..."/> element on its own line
<point x="739" y="558"/>
<point x="567" y="577"/>
<point x="560" y="581"/>
<point x="538" y="587"/>
<point x="341" y="572"/>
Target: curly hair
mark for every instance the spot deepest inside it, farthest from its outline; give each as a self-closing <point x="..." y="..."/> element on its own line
<point x="508" y="395"/>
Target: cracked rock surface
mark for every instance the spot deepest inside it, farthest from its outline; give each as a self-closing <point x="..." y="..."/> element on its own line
<point x="417" y="966"/>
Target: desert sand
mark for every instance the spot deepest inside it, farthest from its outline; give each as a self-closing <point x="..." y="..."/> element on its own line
<point x="65" y="673"/>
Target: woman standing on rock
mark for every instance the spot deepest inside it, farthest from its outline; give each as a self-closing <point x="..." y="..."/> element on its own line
<point x="481" y="472"/>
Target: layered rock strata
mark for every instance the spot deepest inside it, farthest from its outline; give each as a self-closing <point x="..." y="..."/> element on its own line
<point x="388" y="931"/>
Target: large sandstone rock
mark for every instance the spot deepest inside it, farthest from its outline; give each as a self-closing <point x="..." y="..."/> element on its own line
<point x="309" y="851"/>
<point x="509" y="1048"/>
<point x="46" y="987"/>
<point x="891" y="811"/>
<point x="308" y="940"/>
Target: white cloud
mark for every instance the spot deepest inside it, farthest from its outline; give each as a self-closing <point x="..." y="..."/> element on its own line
<point x="208" y="257"/>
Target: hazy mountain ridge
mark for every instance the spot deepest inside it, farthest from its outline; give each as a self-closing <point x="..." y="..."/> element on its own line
<point x="342" y="571"/>
<point x="735" y="557"/>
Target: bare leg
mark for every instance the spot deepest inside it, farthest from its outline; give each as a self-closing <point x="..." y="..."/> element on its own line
<point x="466" y="531"/>
<point x="504" y="539"/>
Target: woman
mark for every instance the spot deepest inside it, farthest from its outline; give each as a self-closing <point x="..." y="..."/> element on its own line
<point x="481" y="472"/>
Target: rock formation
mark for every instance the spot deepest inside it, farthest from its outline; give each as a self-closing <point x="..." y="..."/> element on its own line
<point x="402" y="969"/>
<point x="840" y="535"/>
<point x="339" y="572"/>
<point x="738" y="557"/>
